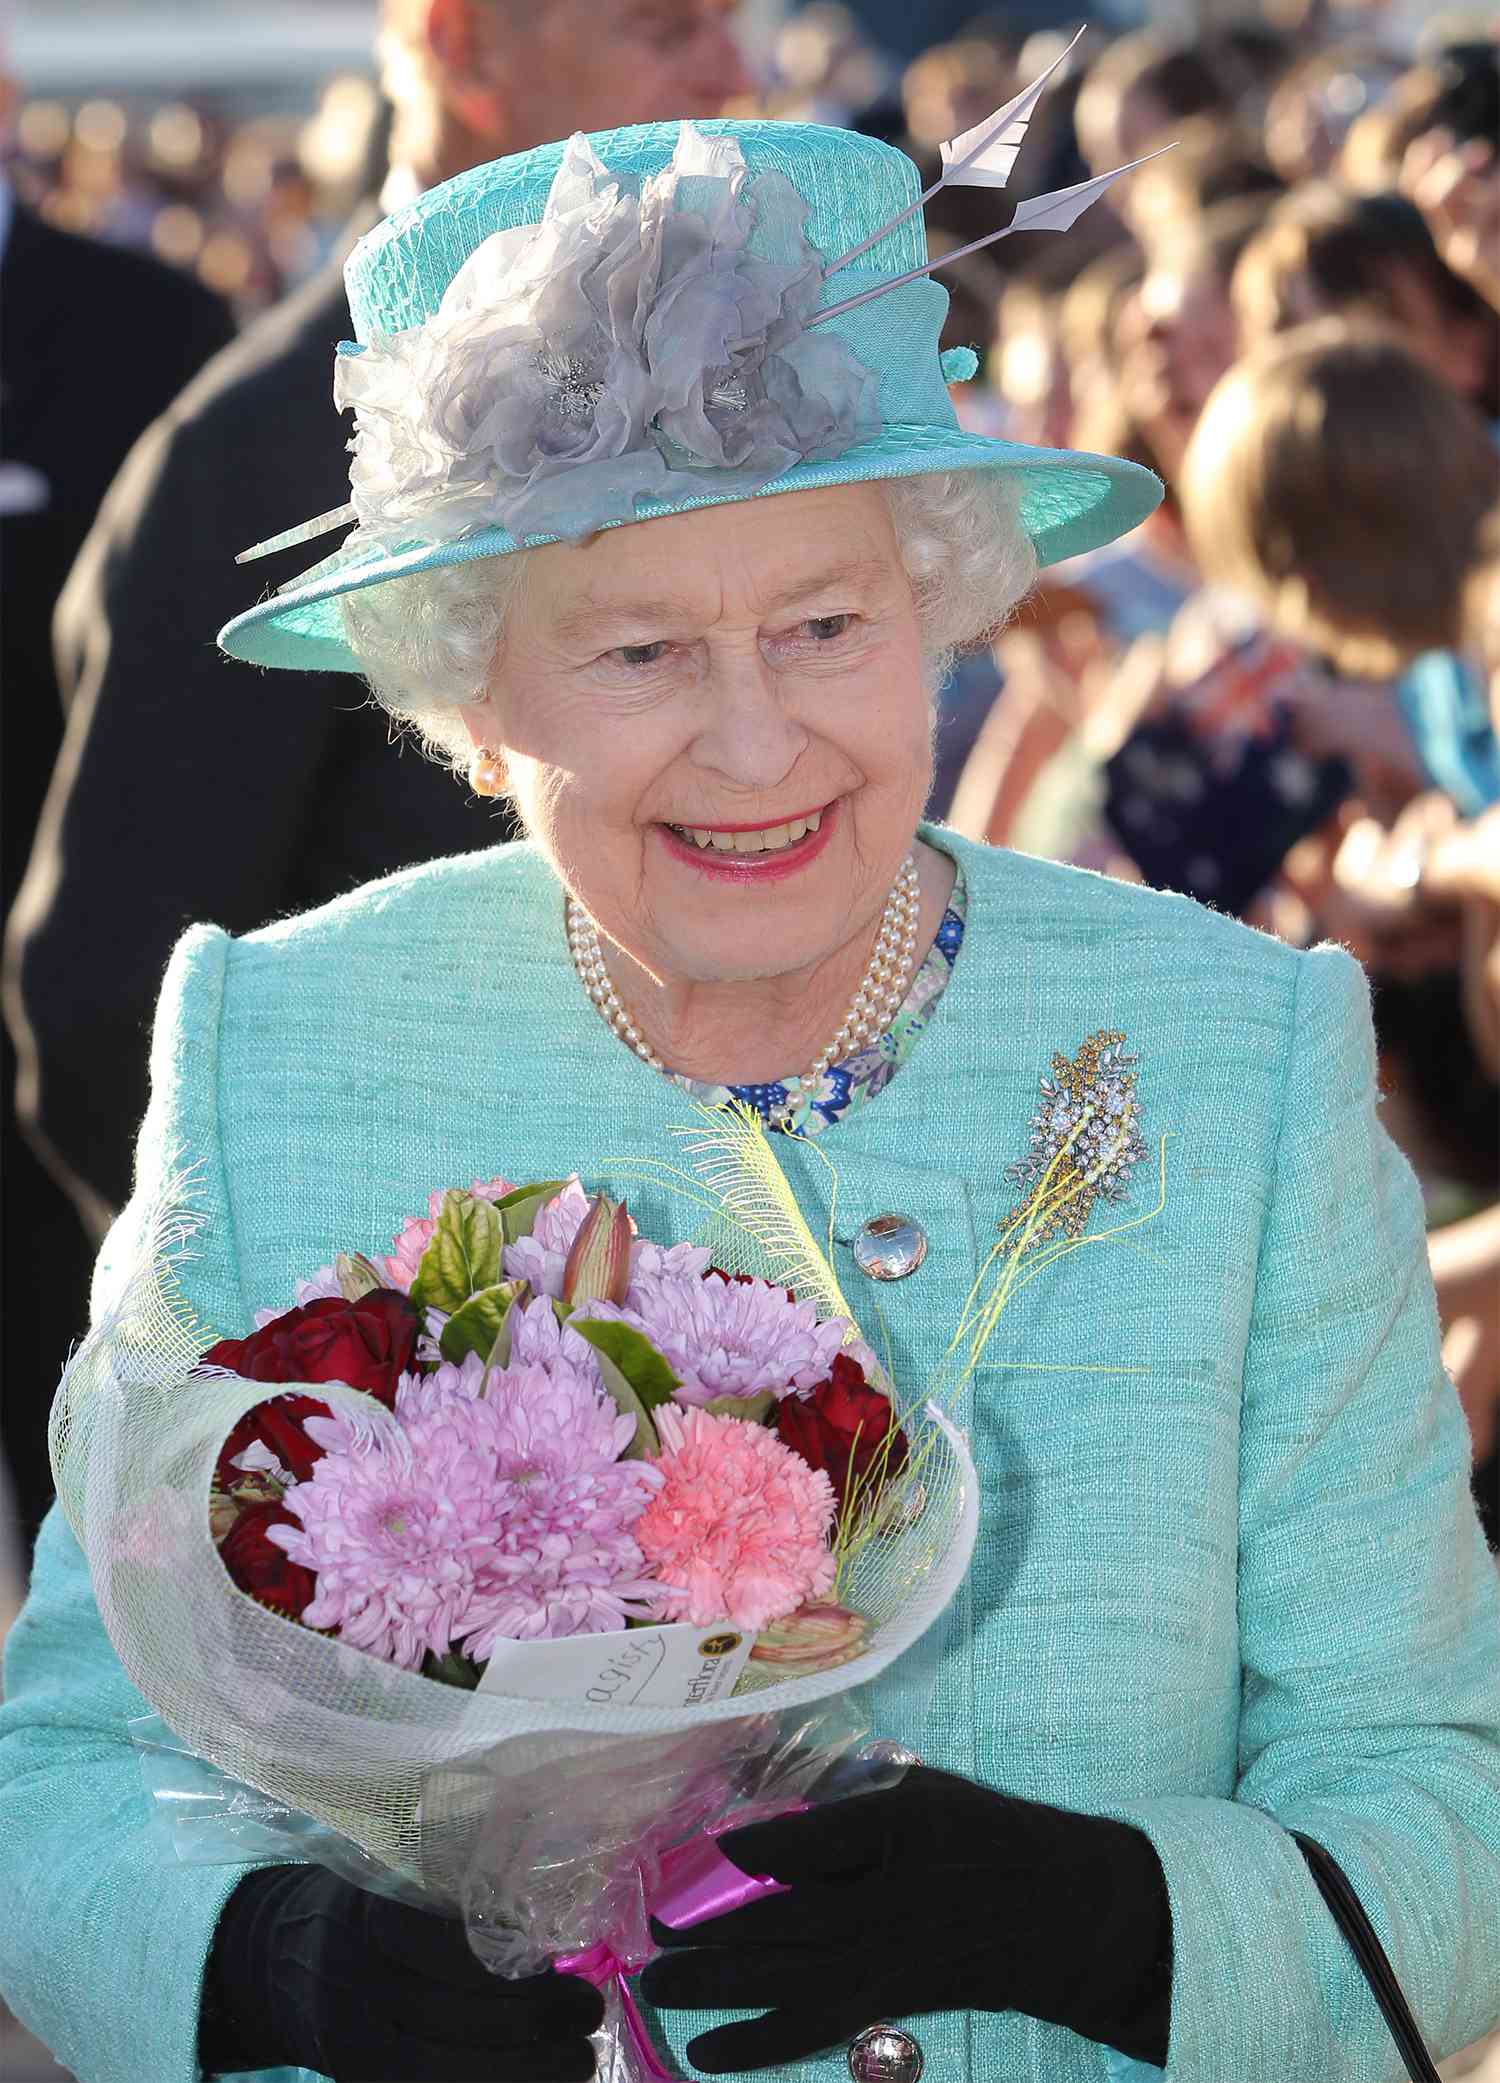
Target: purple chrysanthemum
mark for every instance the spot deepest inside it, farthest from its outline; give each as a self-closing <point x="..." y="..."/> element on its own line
<point x="541" y="1257"/>
<point x="320" y="1286"/>
<point x="466" y="1517"/>
<point x="731" y="1337"/>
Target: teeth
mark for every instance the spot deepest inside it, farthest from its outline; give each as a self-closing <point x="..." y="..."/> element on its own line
<point x="771" y="840"/>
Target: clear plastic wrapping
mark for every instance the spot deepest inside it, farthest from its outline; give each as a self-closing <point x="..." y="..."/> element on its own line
<point x="556" y="1850"/>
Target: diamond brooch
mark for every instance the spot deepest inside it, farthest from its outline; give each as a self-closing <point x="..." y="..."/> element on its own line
<point x="1085" y="1140"/>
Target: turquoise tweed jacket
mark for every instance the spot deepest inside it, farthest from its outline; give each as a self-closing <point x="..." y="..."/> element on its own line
<point x="1229" y="1580"/>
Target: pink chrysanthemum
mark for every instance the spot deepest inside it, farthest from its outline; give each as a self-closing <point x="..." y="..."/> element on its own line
<point x="416" y="1232"/>
<point x="465" y="1518"/>
<point x="395" y="1538"/>
<point x="731" y="1337"/>
<point x="739" y="1529"/>
<point x="541" y="1257"/>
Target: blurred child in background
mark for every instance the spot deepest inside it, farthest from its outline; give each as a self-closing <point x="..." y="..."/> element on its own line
<point x="1352" y="495"/>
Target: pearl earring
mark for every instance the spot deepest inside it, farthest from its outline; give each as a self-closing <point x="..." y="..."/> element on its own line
<point x="487" y="774"/>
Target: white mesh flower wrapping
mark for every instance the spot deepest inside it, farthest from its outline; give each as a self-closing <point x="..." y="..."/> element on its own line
<point x="325" y="1728"/>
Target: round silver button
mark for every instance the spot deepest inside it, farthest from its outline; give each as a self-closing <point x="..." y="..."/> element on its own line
<point x="888" y="1247"/>
<point x="882" y="2054"/>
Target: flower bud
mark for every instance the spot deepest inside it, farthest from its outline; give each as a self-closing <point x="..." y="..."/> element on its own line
<point x="598" y="1266"/>
<point x="814" y="1638"/>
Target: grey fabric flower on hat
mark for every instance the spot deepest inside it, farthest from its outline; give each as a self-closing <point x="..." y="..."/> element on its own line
<point x="629" y="347"/>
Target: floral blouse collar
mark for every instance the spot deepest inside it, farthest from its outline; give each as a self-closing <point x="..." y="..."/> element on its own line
<point x="853" y="1083"/>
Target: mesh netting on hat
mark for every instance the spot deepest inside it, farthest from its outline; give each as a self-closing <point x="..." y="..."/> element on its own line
<point x="328" y="1729"/>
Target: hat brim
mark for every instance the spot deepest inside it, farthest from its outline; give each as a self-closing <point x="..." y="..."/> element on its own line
<point x="1069" y="502"/>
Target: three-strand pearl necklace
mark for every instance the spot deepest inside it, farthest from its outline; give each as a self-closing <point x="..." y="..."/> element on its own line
<point x="875" y="1004"/>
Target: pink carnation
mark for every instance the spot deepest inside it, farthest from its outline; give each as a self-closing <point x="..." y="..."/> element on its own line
<point x="416" y="1232"/>
<point x="541" y="1257"/>
<point x="739" y="1529"/>
<point x="731" y="1337"/>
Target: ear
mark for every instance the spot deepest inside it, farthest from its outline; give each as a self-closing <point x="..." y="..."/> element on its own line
<point x="479" y="722"/>
<point x="467" y="67"/>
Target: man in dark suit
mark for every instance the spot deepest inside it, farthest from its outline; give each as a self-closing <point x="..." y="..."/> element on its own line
<point x="95" y="341"/>
<point x="191" y="787"/>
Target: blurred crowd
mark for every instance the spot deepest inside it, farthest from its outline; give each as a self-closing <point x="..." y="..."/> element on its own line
<point x="1280" y="694"/>
<point x="250" y="204"/>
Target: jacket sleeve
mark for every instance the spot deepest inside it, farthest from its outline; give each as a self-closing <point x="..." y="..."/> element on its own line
<point x="1369" y="1627"/>
<point x="106" y="1963"/>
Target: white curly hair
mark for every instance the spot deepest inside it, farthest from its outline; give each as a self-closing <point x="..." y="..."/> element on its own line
<point x="428" y="644"/>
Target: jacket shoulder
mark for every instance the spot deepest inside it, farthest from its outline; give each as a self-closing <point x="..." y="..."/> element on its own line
<point x="1050" y="900"/>
<point x="501" y="895"/>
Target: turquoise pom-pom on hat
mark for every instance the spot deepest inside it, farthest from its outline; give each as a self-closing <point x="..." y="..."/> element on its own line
<point x="647" y="321"/>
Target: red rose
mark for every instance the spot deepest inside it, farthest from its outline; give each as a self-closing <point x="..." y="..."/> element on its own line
<point x="258" y="1566"/>
<point x="277" y="1425"/>
<point x="369" y="1344"/>
<point x="841" y="1427"/>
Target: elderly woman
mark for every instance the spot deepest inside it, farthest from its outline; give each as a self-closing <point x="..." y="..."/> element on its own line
<point x="664" y="529"/>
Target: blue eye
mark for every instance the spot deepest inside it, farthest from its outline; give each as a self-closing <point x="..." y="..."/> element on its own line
<point x="641" y="654"/>
<point x="825" y="628"/>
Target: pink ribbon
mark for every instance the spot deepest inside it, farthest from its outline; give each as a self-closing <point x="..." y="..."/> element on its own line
<point x="697" y="1882"/>
<point x="602" y="1965"/>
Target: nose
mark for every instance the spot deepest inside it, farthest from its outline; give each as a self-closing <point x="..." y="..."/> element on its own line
<point x="747" y="737"/>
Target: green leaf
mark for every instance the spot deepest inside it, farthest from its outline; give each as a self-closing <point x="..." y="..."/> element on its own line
<point x="477" y="1325"/>
<point x="356" y="1276"/>
<point x="499" y="1353"/>
<point x="645" y="1441"/>
<point x="463" y="1257"/>
<point x="519" y="1210"/>
<point x="452" y="1669"/>
<point x="755" y="1409"/>
<point x="635" y="1357"/>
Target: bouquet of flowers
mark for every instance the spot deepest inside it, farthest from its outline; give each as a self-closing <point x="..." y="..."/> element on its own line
<point x="570" y="1431"/>
<point x="509" y="1564"/>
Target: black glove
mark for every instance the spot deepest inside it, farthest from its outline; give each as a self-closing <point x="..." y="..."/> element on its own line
<point x="939" y="1895"/>
<point x="308" y="1971"/>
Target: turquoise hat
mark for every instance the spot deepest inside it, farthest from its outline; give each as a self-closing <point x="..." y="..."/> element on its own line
<point x="647" y="321"/>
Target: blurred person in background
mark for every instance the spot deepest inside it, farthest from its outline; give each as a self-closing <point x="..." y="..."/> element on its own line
<point x="1364" y="532"/>
<point x="823" y="68"/>
<point x="308" y="802"/>
<point x="1314" y="107"/>
<point x="1177" y="334"/>
<point x="1030" y="384"/>
<point x="1136" y="96"/>
<point x="1324" y="253"/>
<point x="1166" y="334"/>
<point x="1456" y="87"/>
<point x="96" y="341"/>
<point x="1373" y="258"/>
<point x="1210" y="162"/>
<point x="1451" y="169"/>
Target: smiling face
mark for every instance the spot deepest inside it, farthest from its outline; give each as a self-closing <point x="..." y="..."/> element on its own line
<point x="717" y="727"/>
